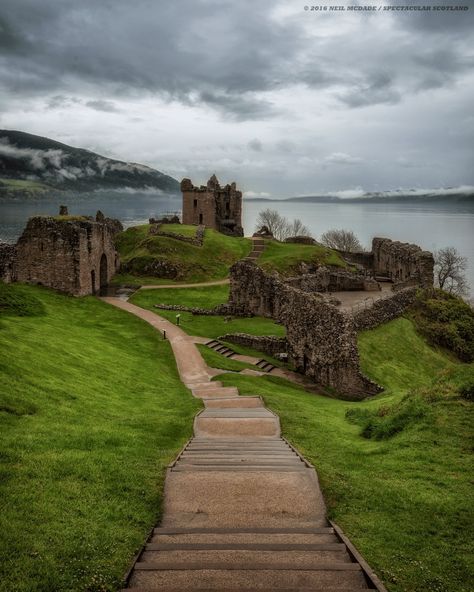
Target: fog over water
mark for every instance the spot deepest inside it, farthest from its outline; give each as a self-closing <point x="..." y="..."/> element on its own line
<point x="430" y="226"/>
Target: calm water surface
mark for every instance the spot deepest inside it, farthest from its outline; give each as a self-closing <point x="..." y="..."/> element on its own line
<point x="431" y="227"/>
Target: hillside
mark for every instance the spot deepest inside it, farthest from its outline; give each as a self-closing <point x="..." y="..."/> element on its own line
<point x="91" y="412"/>
<point x="395" y="470"/>
<point x="151" y="259"/>
<point x="33" y="164"/>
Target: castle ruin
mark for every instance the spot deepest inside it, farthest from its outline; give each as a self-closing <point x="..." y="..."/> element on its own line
<point x="75" y="255"/>
<point x="213" y="206"/>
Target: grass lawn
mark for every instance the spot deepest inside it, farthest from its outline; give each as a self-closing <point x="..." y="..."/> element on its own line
<point x="405" y="500"/>
<point x="139" y="250"/>
<point x="284" y="257"/>
<point x="204" y="326"/>
<point x="91" y="411"/>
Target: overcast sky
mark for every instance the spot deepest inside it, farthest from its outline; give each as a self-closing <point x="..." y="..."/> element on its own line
<point x="282" y="100"/>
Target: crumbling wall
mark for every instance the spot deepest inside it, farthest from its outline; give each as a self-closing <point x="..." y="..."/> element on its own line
<point x="74" y="255"/>
<point x="326" y="280"/>
<point x="7" y="263"/>
<point x="402" y="262"/>
<point x="385" y="309"/>
<point x="322" y="341"/>
<point x="269" y="344"/>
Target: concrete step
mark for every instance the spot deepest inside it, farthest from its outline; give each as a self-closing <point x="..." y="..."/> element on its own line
<point x="237" y="412"/>
<point x="245" y="589"/>
<point x="165" y="536"/>
<point x="206" y="392"/>
<point x="207" y="384"/>
<point x="239" y="461"/>
<point x="232" y="469"/>
<point x="245" y="579"/>
<point x="236" y="426"/>
<point x="226" y="558"/>
<point x="233" y="402"/>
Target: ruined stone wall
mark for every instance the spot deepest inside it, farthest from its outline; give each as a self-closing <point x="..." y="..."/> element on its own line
<point x="385" y="309"/>
<point x="266" y="343"/>
<point x="326" y="280"/>
<point x="402" y="262"/>
<point x="214" y="206"/>
<point x="322" y="341"/>
<point x="7" y="263"/>
<point x="74" y="255"/>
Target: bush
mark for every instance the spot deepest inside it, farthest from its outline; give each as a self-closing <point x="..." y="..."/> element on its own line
<point x="446" y="320"/>
<point x="386" y="421"/>
<point x="467" y="391"/>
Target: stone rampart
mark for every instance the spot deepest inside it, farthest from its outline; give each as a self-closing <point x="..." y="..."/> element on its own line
<point x="7" y="262"/>
<point x="385" y="309"/>
<point x="322" y="341"/>
<point x="402" y="262"/>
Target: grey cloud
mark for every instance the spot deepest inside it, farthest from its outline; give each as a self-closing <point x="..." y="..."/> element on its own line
<point x="102" y="105"/>
<point x="255" y="145"/>
<point x="221" y="54"/>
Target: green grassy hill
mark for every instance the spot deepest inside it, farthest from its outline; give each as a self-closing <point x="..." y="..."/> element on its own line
<point x="91" y="412"/>
<point x="141" y="252"/>
<point x="396" y="471"/>
<point x="285" y="257"/>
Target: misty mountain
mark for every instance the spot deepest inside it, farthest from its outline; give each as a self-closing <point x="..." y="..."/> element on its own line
<point x="41" y="162"/>
<point x="463" y="196"/>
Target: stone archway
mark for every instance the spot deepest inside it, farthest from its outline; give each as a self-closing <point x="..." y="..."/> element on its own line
<point x="104" y="280"/>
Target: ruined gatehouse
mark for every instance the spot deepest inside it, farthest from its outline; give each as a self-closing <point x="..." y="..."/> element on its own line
<point x="321" y="336"/>
<point x="213" y="206"/>
<point x="74" y="254"/>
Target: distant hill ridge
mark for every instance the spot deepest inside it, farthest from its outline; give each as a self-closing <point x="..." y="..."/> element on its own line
<point x="42" y="161"/>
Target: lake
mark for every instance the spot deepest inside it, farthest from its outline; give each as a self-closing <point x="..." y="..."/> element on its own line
<point x="430" y="226"/>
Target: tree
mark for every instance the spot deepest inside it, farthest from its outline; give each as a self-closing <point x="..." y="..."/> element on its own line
<point x="280" y="226"/>
<point x="297" y="228"/>
<point x="344" y="240"/>
<point x="450" y="268"/>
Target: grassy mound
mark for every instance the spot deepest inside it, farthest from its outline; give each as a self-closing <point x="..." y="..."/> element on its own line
<point x="204" y="326"/>
<point x="91" y="412"/>
<point x="158" y="259"/>
<point x="403" y="499"/>
<point x="285" y="257"/>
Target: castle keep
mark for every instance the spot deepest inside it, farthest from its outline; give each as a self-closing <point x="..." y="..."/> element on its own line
<point x="213" y="206"/>
<point x="73" y="254"/>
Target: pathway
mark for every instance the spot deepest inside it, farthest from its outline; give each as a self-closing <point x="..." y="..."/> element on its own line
<point x="243" y="511"/>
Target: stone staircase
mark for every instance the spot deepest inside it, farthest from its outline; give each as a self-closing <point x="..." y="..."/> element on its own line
<point x="243" y="511"/>
<point x="258" y="246"/>
<point x="220" y="348"/>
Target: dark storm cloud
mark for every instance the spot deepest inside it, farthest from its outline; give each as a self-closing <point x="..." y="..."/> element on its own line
<point x="219" y="53"/>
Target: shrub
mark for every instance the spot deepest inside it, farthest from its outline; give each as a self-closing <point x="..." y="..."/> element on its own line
<point x="386" y="421"/>
<point x="447" y="321"/>
<point x="467" y="391"/>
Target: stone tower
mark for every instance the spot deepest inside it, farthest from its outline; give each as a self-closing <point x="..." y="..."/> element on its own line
<point x="214" y="206"/>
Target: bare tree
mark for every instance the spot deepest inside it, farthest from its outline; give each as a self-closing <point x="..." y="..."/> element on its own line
<point x="297" y="228"/>
<point x="450" y="268"/>
<point x="280" y="226"/>
<point x="344" y="240"/>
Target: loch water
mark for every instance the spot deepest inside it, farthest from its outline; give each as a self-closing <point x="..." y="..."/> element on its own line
<point x="432" y="226"/>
